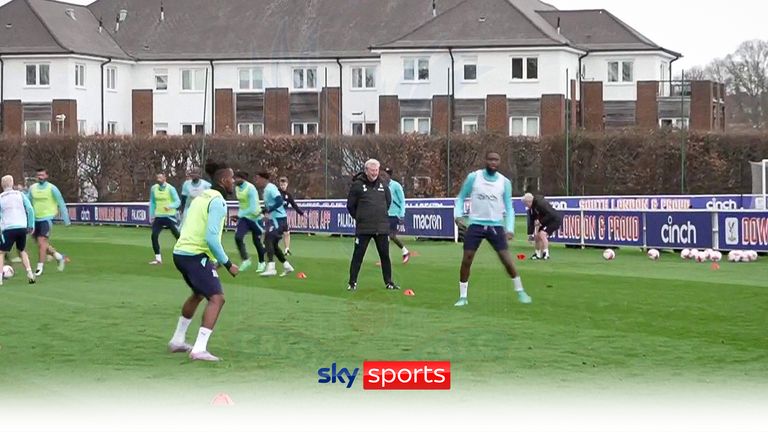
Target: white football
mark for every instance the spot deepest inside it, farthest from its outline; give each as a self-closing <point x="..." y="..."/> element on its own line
<point x="708" y="253"/>
<point x="685" y="254"/>
<point x="716" y="256"/>
<point x="694" y="252"/>
<point x="752" y="255"/>
<point x="8" y="272"/>
<point x="653" y="254"/>
<point x="700" y="257"/>
<point x="734" y="256"/>
<point x="609" y="254"/>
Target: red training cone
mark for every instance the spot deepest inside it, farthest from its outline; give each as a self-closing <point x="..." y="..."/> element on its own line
<point x="521" y="257"/>
<point x="409" y="293"/>
<point x="301" y="275"/>
<point x="715" y="266"/>
<point x="222" y="399"/>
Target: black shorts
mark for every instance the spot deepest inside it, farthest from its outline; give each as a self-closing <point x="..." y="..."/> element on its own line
<point x="164" y="222"/>
<point x="245" y="225"/>
<point x="13" y="237"/>
<point x="277" y="227"/>
<point x="496" y="236"/>
<point x="551" y="227"/>
<point x="282" y="225"/>
<point x="199" y="274"/>
<point x="42" y="229"/>
<point x="394" y="224"/>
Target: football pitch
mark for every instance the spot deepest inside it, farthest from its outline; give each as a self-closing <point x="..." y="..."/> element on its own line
<point x="106" y="320"/>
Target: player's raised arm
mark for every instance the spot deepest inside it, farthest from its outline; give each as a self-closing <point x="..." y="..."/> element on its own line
<point x="62" y="206"/>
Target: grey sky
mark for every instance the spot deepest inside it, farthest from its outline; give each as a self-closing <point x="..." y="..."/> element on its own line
<point x="700" y="29"/>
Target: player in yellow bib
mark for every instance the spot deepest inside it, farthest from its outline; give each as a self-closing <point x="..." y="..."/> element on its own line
<point x="47" y="203"/>
<point x="163" y="204"/>
<point x="194" y="255"/>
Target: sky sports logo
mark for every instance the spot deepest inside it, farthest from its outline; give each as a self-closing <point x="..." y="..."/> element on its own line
<point x="391" y="375"/>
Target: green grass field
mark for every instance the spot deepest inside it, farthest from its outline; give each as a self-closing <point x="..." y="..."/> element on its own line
<point x="107" y="319"/>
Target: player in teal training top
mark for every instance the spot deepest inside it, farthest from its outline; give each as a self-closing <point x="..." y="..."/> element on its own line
<point x="397" y="214"/>
<point x="492" y="218"/>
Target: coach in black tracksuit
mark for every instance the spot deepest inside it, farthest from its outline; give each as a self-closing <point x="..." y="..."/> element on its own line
<point x="368" y="203"/>
<point x="549" y="221"/>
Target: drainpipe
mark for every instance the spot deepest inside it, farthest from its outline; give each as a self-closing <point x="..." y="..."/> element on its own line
<point x="213" y="99"/>
<point x="581" y="96"/>
<point x="109" y="60"/>
<point x="341" y="98"/>
<point x="2" y="101"/>
<point x="671" y="78"/>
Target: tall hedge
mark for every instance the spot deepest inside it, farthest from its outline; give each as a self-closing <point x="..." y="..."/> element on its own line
<point x="111" y="168"/>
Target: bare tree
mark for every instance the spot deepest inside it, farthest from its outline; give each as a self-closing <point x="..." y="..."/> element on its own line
<point x="695" y="73"/>
<point x="748" y="67"/>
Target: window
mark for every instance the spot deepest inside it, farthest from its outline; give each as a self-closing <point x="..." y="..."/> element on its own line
<point x="470" y="69"/>
<point x="305" y="128"/>
<point x="524" y="126"/>
<point x="416" y="69"/>
<point x="79" y="75"/>
<point x="251" y="79"/>
<point x="161" y="79"/>
<point x="37" y="127"/>
<point x="675" y="123"/>
<point x="525" y="68"/>
<point x="364" y="77"/>
<point x="38" y="75"/>
<point x="193" y="80"/>
<point x="250" y="128"/>
<point x="305" y="78"/>
<point x="112" y="128"/>
<point x="469" y="125"/>
<point x="187" y="129"/>
<point x="620" y="71"/>
<point x="416" y="125"/>
<point x="358" y="127"/>
<point x="81" y="127"/>
<point x="111" y="78"/>
<point x="161" y="129"/>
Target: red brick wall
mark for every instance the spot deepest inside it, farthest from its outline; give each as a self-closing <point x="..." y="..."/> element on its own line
<point x="68" y="107"/>
<point x="552" y="114"/>
<point x="225" y="112"/>
<point x="702" y="93"/>
<point x="592" y="105"/>
<point x="647" y="108"/>
<point x="277" y="111"/>
<point x="440" y="115"/>
<point x="389" y="115"/>
<point x="13" y="121"/>
<point x="333" y="95"/>
<point x="496" y="116"/>
<point x="143" y="112"/>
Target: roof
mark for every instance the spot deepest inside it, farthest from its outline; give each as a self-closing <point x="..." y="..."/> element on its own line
<point x="264" y="29"/>
<point x="237" y="29"/>
<point x="599" y="30"/>
<point x="488" y="23"/>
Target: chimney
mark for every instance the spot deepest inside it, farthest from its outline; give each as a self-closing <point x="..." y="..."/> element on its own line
<point x="71" y="13"/>
<point x="117" y="23"/>
<point x="101" y="24"/>
<point x="434" y="8"/>
<point x="162" y="12"/>
<point x="558" y="25"/>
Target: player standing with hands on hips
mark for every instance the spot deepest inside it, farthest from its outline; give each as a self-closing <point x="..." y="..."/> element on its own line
<point x="492" y="218"/>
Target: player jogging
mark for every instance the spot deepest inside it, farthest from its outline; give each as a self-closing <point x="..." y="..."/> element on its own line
<point x="397" y="214"/>
<point x="17" y="219"/>
<point x="492" y="218"/>
<point x="194" y="255"/>
<point x="248" y="220"/>
<point x="47" y="202"/>
<point x="275" y="222"/>
<point x="543" y="221"/>
<point x="288" y="200"/>
<point x="191" y="189"/>
<point x="163" y="204"/>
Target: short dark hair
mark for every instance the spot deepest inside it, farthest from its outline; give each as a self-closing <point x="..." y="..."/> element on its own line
<point x="263" y="174"/>
<point x="241" y="174"/>
<point x="388" y="170"/>
<point x="283" y="179"/>
<point x="41" y="170"/>
<point x="490" y="152"/>
<point x="215" y="169"/>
